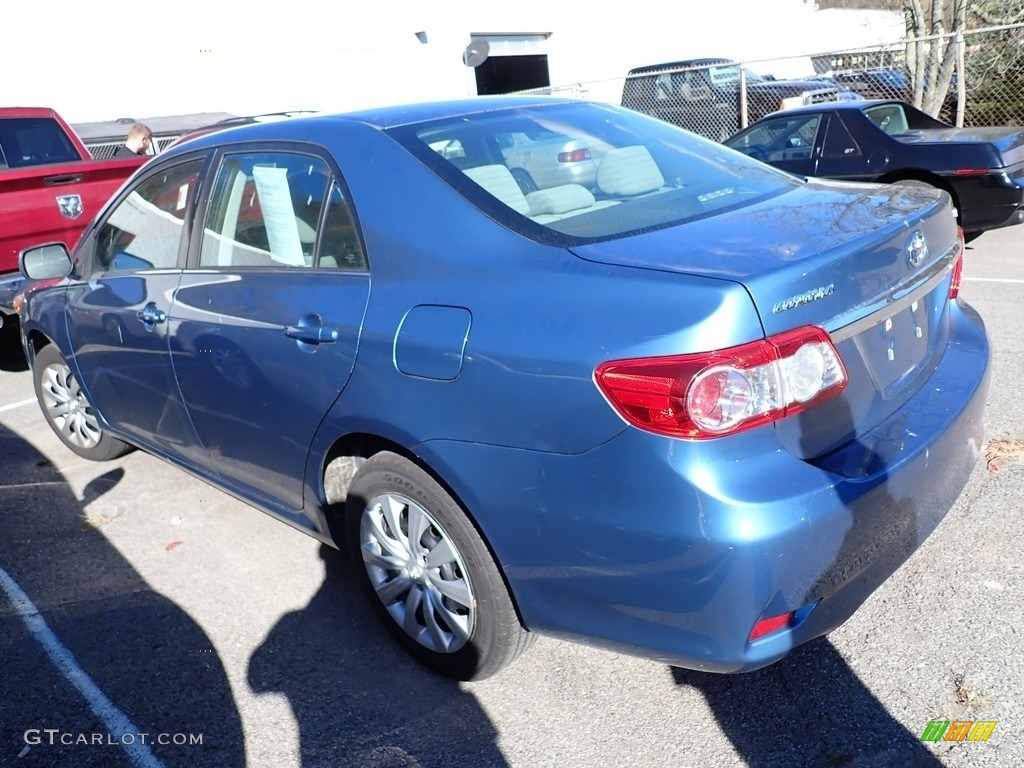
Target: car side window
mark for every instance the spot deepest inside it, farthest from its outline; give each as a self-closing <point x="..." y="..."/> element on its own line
<point x="144" y="230"/>
<point x="340" y="247"/>
<point x="264" y="209"/>
<point x="781" y="138"/>
<point x="889" y="117"/>
<point x="838" y="141"/>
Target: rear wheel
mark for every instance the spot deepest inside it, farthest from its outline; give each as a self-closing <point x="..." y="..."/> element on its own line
<point x="68" y="411"/>
<point x="429" y="573"/>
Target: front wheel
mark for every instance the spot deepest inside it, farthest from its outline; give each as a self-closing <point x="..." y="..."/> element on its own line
<point x="68" y="411"/>
<point x="431" y="577"/>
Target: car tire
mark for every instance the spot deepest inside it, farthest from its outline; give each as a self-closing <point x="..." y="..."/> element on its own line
<point x="68" y="411"/>
<point x="470" y="629"/>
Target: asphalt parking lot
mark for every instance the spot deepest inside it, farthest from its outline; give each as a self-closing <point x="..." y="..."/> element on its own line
<point x="209" y="634"/>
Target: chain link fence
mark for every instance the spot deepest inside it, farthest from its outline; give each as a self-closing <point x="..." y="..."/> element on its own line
<point x="104" y="150"/>
<point x="716" y="97"/>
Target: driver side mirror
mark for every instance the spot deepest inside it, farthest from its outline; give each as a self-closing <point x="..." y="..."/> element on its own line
<point x="45" y="262"/>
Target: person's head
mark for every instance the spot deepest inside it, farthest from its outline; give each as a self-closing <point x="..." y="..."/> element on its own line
<point x="139" y="139"/>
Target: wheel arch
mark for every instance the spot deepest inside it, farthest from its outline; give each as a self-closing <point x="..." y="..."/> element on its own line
<point x="343" y="459"/>
<point x="927" y="177"/>
<point x="36" y="341"/>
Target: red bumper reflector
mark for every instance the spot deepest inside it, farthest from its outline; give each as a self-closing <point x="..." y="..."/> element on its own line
<point x="767" y="626"/>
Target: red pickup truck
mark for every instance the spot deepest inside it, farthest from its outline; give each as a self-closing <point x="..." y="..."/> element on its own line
<point x="50" y="188"/>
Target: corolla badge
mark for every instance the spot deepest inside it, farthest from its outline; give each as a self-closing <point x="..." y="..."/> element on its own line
<point x="917" y="249"/>
<point x="804" y="298"/>
<point x="70" y="205"/>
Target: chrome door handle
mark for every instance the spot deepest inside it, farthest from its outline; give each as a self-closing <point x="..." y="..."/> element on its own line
<point x="151" y="314"/>
<point x="315" y="334"/>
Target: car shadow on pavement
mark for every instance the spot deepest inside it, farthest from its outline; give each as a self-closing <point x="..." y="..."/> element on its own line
<point x="359" y="699"/>
<point x="147" y="657"/>
<point x="810" y="709"/>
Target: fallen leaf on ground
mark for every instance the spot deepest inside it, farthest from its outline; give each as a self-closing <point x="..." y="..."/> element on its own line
<point x="1002" y="449"/>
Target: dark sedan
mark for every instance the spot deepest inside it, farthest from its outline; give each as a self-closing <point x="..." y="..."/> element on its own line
<point x="886" y="141"/>
<point x="695" y="408"/>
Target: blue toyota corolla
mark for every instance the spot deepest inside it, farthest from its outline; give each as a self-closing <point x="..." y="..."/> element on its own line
<point x="697" y="409"/>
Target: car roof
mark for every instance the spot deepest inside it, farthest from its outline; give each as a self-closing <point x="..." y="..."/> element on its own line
<point x="383" y="118"/>
<point x="681" y="65"/>
<point x="834" y="106"/>
<point x="407" y="114"/>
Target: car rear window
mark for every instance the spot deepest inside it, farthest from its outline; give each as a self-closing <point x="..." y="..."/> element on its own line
<point x="28" y="141"/>
<point x="588" y="171"/>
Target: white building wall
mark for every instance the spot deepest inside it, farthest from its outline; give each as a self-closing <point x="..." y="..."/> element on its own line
<point x="90" y="61"/>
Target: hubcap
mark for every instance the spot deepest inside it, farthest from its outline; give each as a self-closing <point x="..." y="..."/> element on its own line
<point x="67" y="407"/>
<point x="417" y="573"/>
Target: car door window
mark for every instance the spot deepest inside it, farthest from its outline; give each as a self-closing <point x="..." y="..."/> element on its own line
<point x="264" y="210"/>
<point x="783" y="138"/>
<point x="340" y="247"/>
<point x="144" y="230"/>
<point x="838" y="141"/>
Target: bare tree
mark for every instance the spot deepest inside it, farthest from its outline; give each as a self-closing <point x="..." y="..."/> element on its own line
<point x="932" y="34"/>
<point x="934" y="28"/>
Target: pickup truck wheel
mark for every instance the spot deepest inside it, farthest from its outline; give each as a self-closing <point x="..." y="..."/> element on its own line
<point x="67" y="410"/>
<point x="429" y="574"/>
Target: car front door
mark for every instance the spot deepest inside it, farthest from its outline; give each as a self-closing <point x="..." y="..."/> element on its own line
<point x="117" y="312"/>
<point x="267" y="317"/>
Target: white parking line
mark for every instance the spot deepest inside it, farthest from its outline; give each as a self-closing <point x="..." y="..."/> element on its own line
<point x="118" y="724"/>
<point x="19" y="404"/>
<point x="991" y="280"/>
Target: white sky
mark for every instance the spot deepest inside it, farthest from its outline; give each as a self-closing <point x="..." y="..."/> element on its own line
<point x="228" y="56"/>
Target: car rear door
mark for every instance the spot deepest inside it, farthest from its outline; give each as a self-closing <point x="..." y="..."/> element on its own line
<point x="117" y="314"/>
<point x="267" y="317"/>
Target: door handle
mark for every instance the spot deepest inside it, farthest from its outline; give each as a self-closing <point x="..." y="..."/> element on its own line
<point x="151" y="314"/>
<point x="311" y="330"/>
<point x="312" y="334"/>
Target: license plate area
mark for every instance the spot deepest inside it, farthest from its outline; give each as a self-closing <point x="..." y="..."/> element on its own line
<point x="895" y="348"/>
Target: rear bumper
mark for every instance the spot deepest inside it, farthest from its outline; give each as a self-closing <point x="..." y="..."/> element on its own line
<point x="989" y="202"/>
<point x="674" y="550"/>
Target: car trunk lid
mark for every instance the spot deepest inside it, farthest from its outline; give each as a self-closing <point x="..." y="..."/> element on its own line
<point x="1008" y="141"/>
<point x="874" y="273"/>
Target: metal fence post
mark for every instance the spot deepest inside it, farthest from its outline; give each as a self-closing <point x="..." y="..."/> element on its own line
<point x="744" y="115"/>
<point x="961" y="79"/>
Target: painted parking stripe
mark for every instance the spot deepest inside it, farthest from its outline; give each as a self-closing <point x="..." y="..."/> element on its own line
<point x="19" y="404"/>
<point x="117" y="722"/>
<point x="991" y="280"/>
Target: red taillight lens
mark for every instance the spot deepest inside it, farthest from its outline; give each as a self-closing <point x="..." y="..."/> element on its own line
<point x="958" y="267"/>
<point x="767" y="626"/>
<point x="726" y="391"/>
<point x="575" y="156"/>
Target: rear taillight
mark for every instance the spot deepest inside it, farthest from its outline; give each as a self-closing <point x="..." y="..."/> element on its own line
<point x="958" y="267"/>
<point x="712" y="394"/>
<point x="576" y="156"/>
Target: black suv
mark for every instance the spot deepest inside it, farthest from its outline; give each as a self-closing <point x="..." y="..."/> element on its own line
<point x="703" y="95"/>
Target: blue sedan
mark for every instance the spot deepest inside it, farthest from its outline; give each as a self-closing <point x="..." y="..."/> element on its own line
<point x="694" y="409"/>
